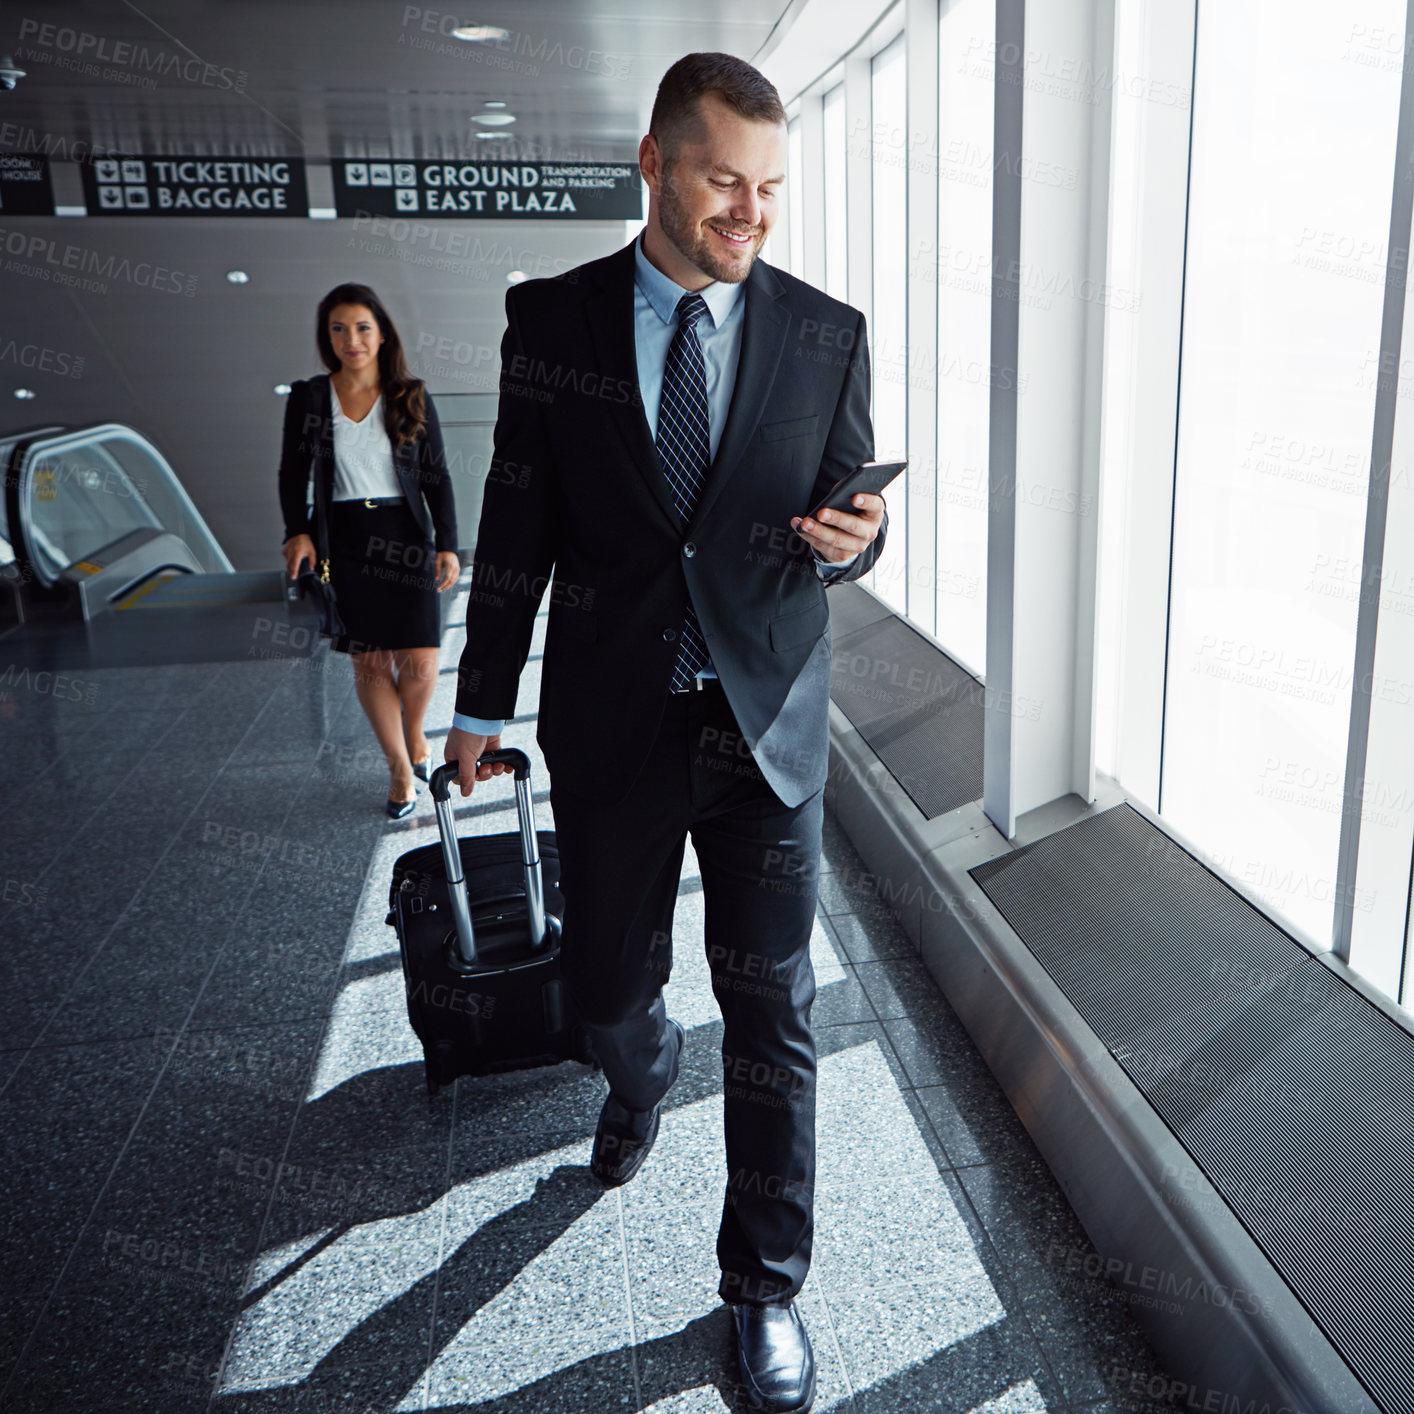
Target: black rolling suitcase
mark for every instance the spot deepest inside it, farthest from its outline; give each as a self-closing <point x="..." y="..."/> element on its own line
<point x="481" y="954"/>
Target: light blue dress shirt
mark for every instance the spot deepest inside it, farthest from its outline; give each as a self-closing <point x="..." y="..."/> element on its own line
<point x="655" y="321"/>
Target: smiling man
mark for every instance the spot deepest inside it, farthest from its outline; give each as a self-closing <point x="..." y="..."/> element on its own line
<point x="670" y="418"/>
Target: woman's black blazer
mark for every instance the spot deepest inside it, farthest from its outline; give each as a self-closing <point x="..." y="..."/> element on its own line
<point x="308" y="446"/>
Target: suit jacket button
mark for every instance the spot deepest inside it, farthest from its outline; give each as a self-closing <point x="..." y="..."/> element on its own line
<point x="669" y="634"/>
<point x="689" y="549"/>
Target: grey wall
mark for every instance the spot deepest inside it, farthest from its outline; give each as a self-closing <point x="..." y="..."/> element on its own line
<point x="196" y="371"/>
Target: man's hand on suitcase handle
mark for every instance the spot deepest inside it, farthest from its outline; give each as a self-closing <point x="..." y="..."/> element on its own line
<point x="466" y="749"/>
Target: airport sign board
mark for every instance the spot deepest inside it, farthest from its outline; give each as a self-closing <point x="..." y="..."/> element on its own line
<point x="25" y="188"/>
<point x="195" y="186"/>
<point x="489" y="191"/>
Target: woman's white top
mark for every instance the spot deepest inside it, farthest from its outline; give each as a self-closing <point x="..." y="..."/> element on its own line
<point x="363" y="454"/>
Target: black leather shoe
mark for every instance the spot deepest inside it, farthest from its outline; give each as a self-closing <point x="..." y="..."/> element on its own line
<point x="421" y="768"/>
<point x="623" y="1138"/>
<point x="774" y="1357"/>
<point x="398" y="808"/>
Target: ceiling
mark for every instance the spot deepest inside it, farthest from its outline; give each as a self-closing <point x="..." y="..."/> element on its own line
<point x="167" y="344"/>
<point x="321" y="79"/>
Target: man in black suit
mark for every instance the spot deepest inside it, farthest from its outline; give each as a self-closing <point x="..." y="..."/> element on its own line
<point x="670" y="418"/>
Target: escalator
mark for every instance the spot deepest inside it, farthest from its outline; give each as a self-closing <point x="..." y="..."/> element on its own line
<point x="105" y="562"/>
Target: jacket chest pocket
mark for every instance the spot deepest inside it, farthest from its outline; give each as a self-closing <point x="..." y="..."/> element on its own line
<point x="791" y="427"/>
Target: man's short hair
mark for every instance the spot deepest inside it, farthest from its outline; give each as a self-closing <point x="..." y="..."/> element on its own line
<point x="677" y="117"/>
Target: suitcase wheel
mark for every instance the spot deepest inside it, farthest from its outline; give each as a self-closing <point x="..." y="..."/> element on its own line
<point x="582" y="1048"/>
<point x="431" y="1070"/>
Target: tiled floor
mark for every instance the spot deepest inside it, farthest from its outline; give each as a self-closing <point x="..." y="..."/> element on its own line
<point x="227" y="1190"/>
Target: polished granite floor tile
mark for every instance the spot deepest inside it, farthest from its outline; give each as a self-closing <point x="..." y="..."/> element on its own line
<point x="971" y="1114"/>
<point x="392" y="1191"/>
<point x="840" y="999"/>
<point x="836" y="849"/>
<point x="1030" y="1223"/>
<point x="930" y="1046"/>
<point x="1092" y="1344"/>
<point x="143" y="981"/>
<point x="288" y="979"/>
<point x="519" y="1302"/>
<point x="869" y="939"/>
<point x="999" y="1367"/>
<point x="68" y="1110"/>
<point x="898" y="987"/>
<point x="261" y="1167"/>
<point x="552" y="1101"/>
<point x="346" y="1317"/>
<point x="1080" y="1319"/>
<point x="850" y="889"/>
<point x="65" y="1120"/>
<point x="140" y="1312"/>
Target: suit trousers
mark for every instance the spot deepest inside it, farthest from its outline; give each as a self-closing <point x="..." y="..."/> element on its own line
<point x="620" y="866"/>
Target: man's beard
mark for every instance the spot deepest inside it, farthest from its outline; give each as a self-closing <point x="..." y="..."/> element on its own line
<point x="695" y="245"/>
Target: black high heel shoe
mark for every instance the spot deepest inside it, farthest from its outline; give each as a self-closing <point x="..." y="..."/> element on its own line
<point x="422" y="769"/>
<point x="399" y="809"/>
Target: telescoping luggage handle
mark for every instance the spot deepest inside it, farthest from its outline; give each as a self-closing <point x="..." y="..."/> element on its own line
<point x="440" y="785"/>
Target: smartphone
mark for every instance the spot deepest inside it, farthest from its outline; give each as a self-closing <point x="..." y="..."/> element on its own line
<point x="870" y="476"/>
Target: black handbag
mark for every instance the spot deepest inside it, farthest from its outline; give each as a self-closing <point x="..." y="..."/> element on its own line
<point x="317" y="588"/>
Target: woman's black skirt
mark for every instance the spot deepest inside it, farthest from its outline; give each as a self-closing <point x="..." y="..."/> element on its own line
<point x="384" y="573"/>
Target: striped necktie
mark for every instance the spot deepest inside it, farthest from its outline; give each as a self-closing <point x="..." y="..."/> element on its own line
<point x="683" y="453"/>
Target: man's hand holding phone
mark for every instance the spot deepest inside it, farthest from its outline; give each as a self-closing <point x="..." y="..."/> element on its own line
<point x="839" y="534"/>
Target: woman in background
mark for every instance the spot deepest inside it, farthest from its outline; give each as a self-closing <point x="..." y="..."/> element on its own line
<point x="369" y="435"/>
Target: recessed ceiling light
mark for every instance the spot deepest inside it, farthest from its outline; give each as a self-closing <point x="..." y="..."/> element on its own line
<point x="480" y="34"/>
<point x="283" y="389"/>
<point x="25" y="394"/>
<point x="493" y="103"/>
<point x="238" y="277"/>
<point x="494" y="120"/>
<point x="501" y="135"/>
<point x="514" y="277"/>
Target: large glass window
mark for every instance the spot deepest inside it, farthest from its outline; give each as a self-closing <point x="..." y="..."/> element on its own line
<point x="1292" y="162"/>
<point x="963" y="266"/>
<point x="1380" y="900"/>
<point x="889" y="332"/>
<point x="836" y="207"/>
<point x="795" y="187"/>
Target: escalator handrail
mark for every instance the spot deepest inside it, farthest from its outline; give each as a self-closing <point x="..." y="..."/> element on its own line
<point x="11" y="447"/>
<point x="29" y="448"/>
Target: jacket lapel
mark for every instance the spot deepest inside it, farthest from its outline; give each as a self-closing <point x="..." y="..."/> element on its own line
<point x="324" y="457"/>
<point x="763" y="336"/>
<point x="610" y="315"/>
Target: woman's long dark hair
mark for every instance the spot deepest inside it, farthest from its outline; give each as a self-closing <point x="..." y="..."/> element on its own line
<point x="404" y="408"/>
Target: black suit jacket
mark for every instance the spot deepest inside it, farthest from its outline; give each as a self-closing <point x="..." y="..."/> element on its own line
<point x="307" y="447"/>
<point x="576" y="503"/>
